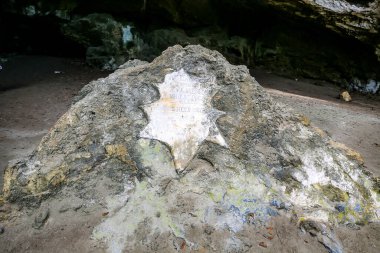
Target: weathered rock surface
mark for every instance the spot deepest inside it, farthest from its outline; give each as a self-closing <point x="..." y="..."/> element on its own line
<point x="252" y="161"/>
<point x="359" y="19"/>
<point x="102" y="37"/>
<point x="355" y="19"/>
<point x="236" y="49"/>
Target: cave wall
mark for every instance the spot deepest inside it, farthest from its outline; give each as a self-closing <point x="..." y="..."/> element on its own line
<point x="333" y="40"/>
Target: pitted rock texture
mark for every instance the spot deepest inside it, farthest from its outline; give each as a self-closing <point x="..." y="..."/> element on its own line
<point x="276" y="165"/>
<point x="102" y="37"/>
<point x="359" y="19"/>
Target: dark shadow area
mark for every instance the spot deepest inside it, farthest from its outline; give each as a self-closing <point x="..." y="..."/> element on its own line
<point x="36" y="35"/>
<point x="252" y="33"/>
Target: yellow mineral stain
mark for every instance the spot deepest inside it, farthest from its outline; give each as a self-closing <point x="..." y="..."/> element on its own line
<point x="40" y="183"/>
<point x="118" y="151"/>
<point x="7" y="181"/>
<point x="349" y="152"/>
<point x="320" y="132"/>
<point x="305" y="120"/>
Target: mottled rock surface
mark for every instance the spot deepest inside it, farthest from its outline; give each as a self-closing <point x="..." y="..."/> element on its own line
<point x="359" y="19"/>
<point x="102" y="36"/>
<point x="133" y="198"/>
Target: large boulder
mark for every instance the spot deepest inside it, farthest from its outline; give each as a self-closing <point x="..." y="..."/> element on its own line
<point x="187" y="152"/>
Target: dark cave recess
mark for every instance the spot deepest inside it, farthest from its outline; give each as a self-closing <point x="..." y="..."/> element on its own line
<point x="360" y="2"/>
<point x="36" y="35"/>
<point x="286" y="43"/>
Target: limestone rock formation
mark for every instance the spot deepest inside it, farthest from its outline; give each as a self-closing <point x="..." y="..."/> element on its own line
<point x="359" y="19"/>
<point x="102" y="37"/>
<point x="251" y="161"/>
<point x="236" y="49"/>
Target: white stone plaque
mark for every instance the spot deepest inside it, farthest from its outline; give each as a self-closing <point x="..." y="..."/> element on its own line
<point x="183" y="117"/>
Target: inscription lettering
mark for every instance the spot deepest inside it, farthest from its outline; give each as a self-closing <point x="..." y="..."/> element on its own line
<point x="183" y="117"/>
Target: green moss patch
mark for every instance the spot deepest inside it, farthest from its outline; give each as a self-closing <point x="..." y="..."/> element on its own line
<point x="333" y="193"/>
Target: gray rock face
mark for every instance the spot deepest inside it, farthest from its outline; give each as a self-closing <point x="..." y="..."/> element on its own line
<point x="41" y="218"/>
<point x="250" y="160"/>
<point x="359" y="19"/>
<point x="236" y="49"/>
<point x="356" y="19"/>
<point x="103" y="38"/>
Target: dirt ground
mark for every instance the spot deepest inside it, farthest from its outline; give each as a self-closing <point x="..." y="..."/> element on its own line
<point x="355" y="123"/>
<point x="37" y="90"/>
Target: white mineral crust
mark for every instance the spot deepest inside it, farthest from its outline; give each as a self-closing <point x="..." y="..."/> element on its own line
<point x="183" y="117"/>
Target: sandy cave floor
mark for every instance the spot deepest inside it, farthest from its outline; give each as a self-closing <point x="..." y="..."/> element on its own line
<point x="37" y="90"/>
